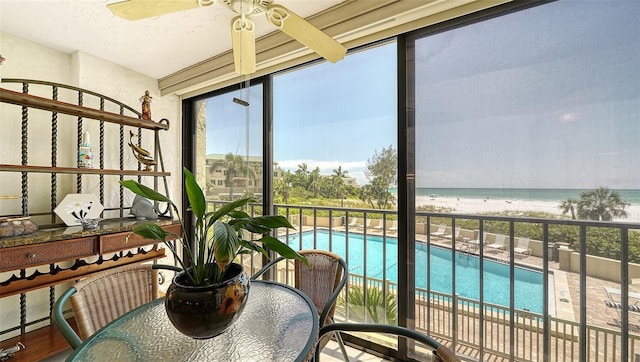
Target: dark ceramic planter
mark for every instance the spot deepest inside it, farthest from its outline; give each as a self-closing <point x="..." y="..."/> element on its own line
<point x="205" y="312"/>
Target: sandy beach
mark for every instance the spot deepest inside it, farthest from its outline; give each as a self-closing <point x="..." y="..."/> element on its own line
<point x="476" y="206"/>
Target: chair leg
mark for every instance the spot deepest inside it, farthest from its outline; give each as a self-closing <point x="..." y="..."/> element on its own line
<point x="342" y="348"/>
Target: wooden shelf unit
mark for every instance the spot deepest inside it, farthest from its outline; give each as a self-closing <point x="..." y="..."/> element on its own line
<point x="107" y="247"/>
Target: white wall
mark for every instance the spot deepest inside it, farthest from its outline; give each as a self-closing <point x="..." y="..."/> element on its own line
<point x="25" y="59"/>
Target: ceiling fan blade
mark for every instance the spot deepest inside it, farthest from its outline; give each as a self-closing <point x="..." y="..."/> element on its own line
<point x="140" y="9"/>
<point x="243" y="36"/>
<point x="307" y="34"/>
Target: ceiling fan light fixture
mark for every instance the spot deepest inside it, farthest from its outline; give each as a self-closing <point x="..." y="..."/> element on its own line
<point x="242" y="7"/>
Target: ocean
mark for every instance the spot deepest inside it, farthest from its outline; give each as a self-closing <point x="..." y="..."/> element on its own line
<point x="630" y="196"/>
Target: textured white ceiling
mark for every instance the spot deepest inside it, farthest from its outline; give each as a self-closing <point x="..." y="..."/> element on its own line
<point x="156" y="47"/>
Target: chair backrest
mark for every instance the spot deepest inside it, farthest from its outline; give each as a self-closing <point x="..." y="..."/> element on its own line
<point x="442" y="228"/>
<point x="322" y="281"/>
<point x="440" y="351"/>
<point x="354" y="221"/>
<point x="108" y="295"/>
<point x="500" y="239"/>
<point x="523" y="243"/>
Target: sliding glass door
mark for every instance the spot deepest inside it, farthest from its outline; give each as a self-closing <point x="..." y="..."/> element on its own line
<point x="228" y="143"/>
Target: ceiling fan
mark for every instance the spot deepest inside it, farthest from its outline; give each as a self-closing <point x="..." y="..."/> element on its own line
<point x="242" y="27"/>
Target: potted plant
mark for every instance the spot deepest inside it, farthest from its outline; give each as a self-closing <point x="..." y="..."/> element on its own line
<point x="210" y="291"/>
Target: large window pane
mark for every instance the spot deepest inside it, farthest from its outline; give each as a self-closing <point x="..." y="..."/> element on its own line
<point x="331" y="116"/>
<point x="530" y="108"/>
<point x="335" y="154"/>
<point x="229" y="143"/>
<point x="531" y="114"/>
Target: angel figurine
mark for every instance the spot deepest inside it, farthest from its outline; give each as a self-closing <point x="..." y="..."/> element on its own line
<point x="146" y="105"/>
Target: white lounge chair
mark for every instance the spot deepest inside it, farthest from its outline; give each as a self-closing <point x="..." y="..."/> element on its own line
<point x="366" y="226"/>
<point x="522" y="247"/>
<point x="472" y="245"/>
<point x="499" y="243"/>
<point x="353" y="223"/>
<point x="441" y="230"/>
<point x="394" y="226"/>
<point x="380" y="225"/>
<point x="454" y="236"/>
<point x="477" y="242"/>
<point x="615" y="302"/>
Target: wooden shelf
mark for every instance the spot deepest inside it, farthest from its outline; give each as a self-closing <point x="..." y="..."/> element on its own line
<point x="75" y="170"/>
<point x="40" y="343"/>
<point x="28" y="100"/>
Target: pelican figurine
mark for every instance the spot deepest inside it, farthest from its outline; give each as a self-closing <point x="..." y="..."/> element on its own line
<point x="142" y="155"/>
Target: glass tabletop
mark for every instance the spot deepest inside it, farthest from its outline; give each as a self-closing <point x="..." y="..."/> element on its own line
<point x="279" y="323"/>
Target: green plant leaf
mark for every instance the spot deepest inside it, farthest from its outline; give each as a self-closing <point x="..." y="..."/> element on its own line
<point x="238" y="214"/>
<point x="194" y="193"/>
<point x="226" y="209"/>
<point x="151" y="230"/>
<point x="144" y="191"/>
<point x="248" y="244"/>
<point x="282" y="249"/>
<point x="249" y="226"/>
<point x="261" y="224"/>
<point x="272" y="221"/>
<point x="225" y="243"/>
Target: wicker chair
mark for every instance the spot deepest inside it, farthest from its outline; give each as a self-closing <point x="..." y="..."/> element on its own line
<point x="440" y="352"/>
<point x="322" y="283"/>
<point x="103" y="297"/>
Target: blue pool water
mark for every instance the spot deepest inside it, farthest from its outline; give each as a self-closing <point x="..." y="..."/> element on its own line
<point x="528" y="283"/>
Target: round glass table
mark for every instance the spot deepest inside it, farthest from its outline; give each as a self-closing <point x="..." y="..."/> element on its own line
<point x="279" y="323"/>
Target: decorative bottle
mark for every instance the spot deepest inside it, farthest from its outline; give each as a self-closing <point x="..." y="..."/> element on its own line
<point x="85" y="157"/>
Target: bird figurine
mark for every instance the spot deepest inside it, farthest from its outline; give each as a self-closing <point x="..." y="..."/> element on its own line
<point x="142" y="155"/>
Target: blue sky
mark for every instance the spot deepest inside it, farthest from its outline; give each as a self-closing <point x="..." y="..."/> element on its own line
<point x="546" y="97"/>
<point x="326" y="116"/>
<point x="332" y="115"/>
<point x="230" y="125"/>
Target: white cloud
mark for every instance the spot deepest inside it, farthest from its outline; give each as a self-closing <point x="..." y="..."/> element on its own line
<point x="355" y="169"/>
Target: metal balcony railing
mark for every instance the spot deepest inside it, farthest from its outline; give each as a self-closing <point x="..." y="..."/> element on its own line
<point x="581" y="262"/>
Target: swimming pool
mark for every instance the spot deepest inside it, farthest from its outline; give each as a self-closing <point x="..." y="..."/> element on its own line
<point x="528" y="283"/>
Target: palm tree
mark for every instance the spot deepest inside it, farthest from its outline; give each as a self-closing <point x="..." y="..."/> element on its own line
<point x="314" y="182"/>
<point x="302" y="175"/>
<point x="235" y="165"/>
<point x="339" y="172"/>
<point x="338" y="175"/>
<point x="601" y="204"/>
<point x="569" y="205"/>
